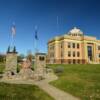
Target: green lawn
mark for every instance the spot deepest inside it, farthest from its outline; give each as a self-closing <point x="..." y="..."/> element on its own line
<point x="82" y="81"/>
<point x="22" y="92"/>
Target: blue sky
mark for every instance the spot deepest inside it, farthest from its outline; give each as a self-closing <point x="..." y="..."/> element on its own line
<point x="84" y="14"/>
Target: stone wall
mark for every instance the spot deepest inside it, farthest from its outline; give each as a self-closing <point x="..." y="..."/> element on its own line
<point x="11" y="64"/>
<point x="40" y="64"/>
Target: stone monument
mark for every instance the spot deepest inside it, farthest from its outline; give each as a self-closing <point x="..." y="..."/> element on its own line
<point x="11" y="63"/>
<point x="26" y="71"/>
<point x="40" y="65"/>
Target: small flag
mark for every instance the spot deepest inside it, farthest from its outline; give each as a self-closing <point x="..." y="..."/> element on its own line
<point x="36" y="36"/>
<point x="13" y="30"/>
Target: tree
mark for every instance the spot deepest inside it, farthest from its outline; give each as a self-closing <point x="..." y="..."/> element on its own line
<point x="20" y="57"/>
<point x="29" y="55"/>
<point x="2" y="58"/>
<point x="8" y="50"/>
<point x="14" y="50"/>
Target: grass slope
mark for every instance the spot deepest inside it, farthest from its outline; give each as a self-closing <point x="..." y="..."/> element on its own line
<point x="80" y="80"/>
<point x="22" y="92"/>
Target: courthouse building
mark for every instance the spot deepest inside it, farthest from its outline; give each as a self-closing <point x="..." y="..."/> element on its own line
<point x="73" y="48"/>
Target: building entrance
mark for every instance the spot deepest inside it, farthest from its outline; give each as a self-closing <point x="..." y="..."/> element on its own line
<point x="89" y="50"/>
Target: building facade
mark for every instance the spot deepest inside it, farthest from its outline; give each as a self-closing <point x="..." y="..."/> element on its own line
<point x="73" y="48"/>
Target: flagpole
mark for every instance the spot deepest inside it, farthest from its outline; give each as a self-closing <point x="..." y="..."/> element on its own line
<point x="12" y="42"/>
<point x="13" y="32"/>
<point x="36" y="40"/>
<point x="35" y="45"/>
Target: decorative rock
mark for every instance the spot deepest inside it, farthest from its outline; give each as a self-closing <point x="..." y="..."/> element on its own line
<point x="26" y="72"/>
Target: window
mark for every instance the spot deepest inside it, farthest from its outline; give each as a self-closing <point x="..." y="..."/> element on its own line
<point x="77" y="45"/>
<point x="69" y="53"/>
<point x="69" y="61"/>
<point x="99" y="55"/>
<point x="78" y="54"/>
<point x="41" y="58"/>
<point x="73" y="53"/>
<point x="62" y="45"/>
<point x="98" y="47"/>
<point x="69" y="44"/>
<point x="78" y="61"/>
<point x="73" y="45"/>
<point x="74" y="61"/>
<point x="89" y="50"/>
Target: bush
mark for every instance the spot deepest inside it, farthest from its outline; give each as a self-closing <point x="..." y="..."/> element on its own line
<point x="59" y="69"/>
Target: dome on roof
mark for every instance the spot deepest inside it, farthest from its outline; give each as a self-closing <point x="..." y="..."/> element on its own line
<point x="75" y="32"/>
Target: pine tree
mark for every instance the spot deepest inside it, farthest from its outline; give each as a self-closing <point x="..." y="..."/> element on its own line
<point x="8" y="49"/>
<point x="14" y="50"/>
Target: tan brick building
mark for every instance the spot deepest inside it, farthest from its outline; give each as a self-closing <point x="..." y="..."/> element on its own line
<point x="73" y="48"/>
